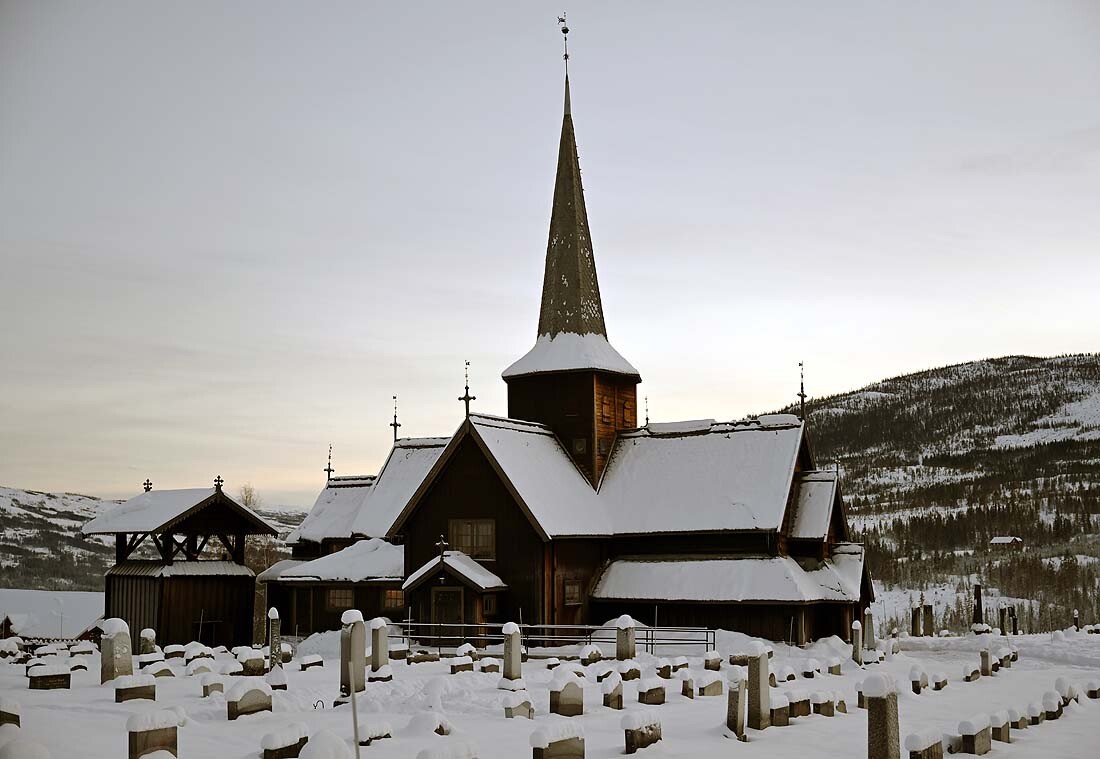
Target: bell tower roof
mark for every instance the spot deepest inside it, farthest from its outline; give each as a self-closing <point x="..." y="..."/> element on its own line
<point x="572" y="335"/>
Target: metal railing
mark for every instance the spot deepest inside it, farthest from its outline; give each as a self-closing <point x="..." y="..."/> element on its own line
<point x="440" y="636"/>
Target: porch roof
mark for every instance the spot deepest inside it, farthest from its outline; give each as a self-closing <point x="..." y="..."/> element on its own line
<point x="460" y="565"/>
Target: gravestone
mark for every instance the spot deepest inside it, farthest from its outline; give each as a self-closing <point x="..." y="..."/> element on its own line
<point x="987" y="662"/>
<point x="565" y="747"/>
<point x="513" y="652"/>
<point x="1002" y="612"/>
<point x="518" y="704"/>
<point x="135" y="687"/>
<point x="781" y="711"/>
<point x="651" y="692"/>
<point x="1001" y="727"/>
<point x="857" y="642"/>
<point x="248" y="698"/>
<point x="883" y="741"/>
<point x="148" y="643"/>
<point x="1076" y="621"/>
<point x="274" y="639"/>
<point x="737" y="707"/>
<point x="286" y="743"/>
<point x="116" y="657"/>
<point x="869" y="641"/>
<point x="625" y="638"/>
<point x="353" y="656"/>
<point x="976" y="735"/>
<point x="760" y="710"/>
<point x="914" y="627"/>
<point x="380" y="651"/>
<point x="979" y="612"/>
<point x="613" y="693"/>
<point x="929" y="621"/>
<point x="640" y="731"/>
<point x="566" y="698"/>
<point x="9" y="712"/>
<point x="157" y="731"/>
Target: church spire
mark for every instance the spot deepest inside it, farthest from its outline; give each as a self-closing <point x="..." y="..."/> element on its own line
<point x="570" y="290"/>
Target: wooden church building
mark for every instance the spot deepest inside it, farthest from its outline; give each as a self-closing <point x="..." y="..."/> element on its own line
<point x="567" y="511"/>
<point x="193" y="584"/>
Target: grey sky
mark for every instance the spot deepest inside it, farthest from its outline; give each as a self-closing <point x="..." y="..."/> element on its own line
<point x="229" y="232"/>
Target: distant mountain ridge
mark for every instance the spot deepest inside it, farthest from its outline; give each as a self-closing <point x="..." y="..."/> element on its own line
<point x="41" y="546"/>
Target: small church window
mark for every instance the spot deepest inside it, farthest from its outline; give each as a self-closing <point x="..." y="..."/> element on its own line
<point x="580" y="445"/>
<point x="572" y="593"/>
<point x="605" y="445"/>
<point x="474" y="537"/>
<point x="394" y="599"/>
<point x="489" y="605"/>
<point x="339" y="599"/>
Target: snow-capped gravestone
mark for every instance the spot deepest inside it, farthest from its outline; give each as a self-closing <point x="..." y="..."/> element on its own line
<point x="252" y="662"/>
<point x="612" y="690"/>
<point x="148" y="641"/>
<point x="132" y="687"/>
<point x="976" y="735"/>
<point x="380" y="651"/>
<point x="927" y="744"/>
<point x="513" y="652"/>
<point x="9" y="712"/>
<point x="882" y="717"/>
<point x="286" y="743"/>
<point x="49" y="677"/>
<point x="116" y="652"/>
<point x="625" y="639"/>
<point x="274" y="639"/>
<point x="212" y="684"/>
<point x="153" y="731"/>
<point x="566" y="696"/>
<point x="781" y="711"/>
<point x="869" y="641"/>
<point x="737" y="704"/>
<point x="651" y="691"/>
<point x="987" y="662"/>
<point x="518" y="704"/>
<point x="1002" y="613"/>
<point x="641" y="729"/>
<point x="248" y="697"/>
<point x="559" y="740"/>
<point x="759" y="706"/>
<point x="353" y="653"/>
<point x="857" y="642"/>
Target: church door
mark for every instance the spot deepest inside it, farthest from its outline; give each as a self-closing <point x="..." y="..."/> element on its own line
<point x="447" y="613"/>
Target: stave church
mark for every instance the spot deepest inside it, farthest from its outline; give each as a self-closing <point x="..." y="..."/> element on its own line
<point x="568" y="511"/>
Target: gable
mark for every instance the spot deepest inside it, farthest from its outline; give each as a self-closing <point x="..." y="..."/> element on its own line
<point x="190" y="510"/>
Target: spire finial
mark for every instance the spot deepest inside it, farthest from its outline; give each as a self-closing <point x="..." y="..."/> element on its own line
<point x="565" y="37"/>
<point x="467" y="397"/>
<point x="647" y="411"/>
<point x="328" y="470"/>
<point x="801" y="391"/>
<point x="218" y="482"/>
<point x="148" y="484"/>
<point x="395" y="424"/>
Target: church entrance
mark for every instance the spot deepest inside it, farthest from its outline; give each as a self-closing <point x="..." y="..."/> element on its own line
<point x="447" y="613"/>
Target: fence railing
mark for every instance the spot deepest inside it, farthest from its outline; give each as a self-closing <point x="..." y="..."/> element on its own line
<point x="442" y="636"/>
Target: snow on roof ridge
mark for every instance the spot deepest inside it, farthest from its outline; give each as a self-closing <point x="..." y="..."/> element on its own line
<point x="422" y="442"/>
<point x="505" y="422"/>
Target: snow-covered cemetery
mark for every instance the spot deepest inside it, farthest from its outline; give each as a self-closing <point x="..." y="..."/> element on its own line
<point x="904" y="571"/>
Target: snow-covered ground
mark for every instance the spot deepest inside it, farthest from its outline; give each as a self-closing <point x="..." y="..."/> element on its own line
<point x="85" y="721"/>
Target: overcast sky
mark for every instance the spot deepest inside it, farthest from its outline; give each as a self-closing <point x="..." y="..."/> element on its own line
<point x="229" y="232"/>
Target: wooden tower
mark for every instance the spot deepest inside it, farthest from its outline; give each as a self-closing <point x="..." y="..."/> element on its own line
<point x="573" y="380"/>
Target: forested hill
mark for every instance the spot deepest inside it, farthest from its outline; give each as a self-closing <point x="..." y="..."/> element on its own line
<point x="937" y="462"/>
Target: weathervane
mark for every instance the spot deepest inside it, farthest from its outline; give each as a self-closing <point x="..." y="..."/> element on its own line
<point x="395" y="424"/>
<point x="565" y="36"/>
<point x="467" y="397"/>
<point x="802" y="391"/>
<point x="328" y="470"/>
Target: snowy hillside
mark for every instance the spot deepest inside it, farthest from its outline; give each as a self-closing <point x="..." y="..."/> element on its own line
<point x="937" y="463"/>
<point x="41" y="546"/>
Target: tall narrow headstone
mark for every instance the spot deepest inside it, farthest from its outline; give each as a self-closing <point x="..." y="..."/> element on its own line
<point x="914" y="627"/>
<point x="116" y="657"/>
<point x="1015" y="622"/>
<point x="987" y="662"/>
<point x="979" y="612"/>
<point x="737" y="703"/>
<point x="1003" y="614"/>
<point x="148" y="642"/>
<point x="513" y="652"/>
<point x="625" y="647"/>
<point x="274" y="639"/>
<point x="857" y="642"/>
<point x="869" y="641"/>
<point x="379" y="650"/>
<point x="883" y="741"/>
<point x="760" y="708"/>
<point x="1076" y="621"/>
<point x="353" y="653"/>
<point x="929" y="621"/>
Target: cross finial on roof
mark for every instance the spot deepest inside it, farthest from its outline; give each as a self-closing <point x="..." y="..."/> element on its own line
<point x="801" y="391"/>
<point x="218" y="482"/>
<point x="647" y="411"/>
<point x="467" y="397"/>
<point x="148" y="484"/>
<point x="328" y="470"/>
<point x="395" y="424"/>
<point x="442" y="545"/>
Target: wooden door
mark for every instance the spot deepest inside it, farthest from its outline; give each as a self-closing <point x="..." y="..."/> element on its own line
<point x="447" y="613"/>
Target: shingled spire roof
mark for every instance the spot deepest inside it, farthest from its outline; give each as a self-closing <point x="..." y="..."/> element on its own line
<point x="572" y="335"/>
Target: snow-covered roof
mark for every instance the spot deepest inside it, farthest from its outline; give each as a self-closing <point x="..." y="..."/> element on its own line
<point x="211" y="568"/>
<point x="547" y="481"/>
<point x="158" y="509"/>
<point x="50" y="613"/>
<point x="568" y="351"/>
<point x="702" y="476"/>
<point x="1005" y="540"/>
<point x="813" y="505"/>
<point x="334" y="511"/>
<point x="363" y="561"/>
<point x="461" y="565"/>
<point x="733" y="579"/>
<point x="406" y="467"/>
<point x="275" y="571"/>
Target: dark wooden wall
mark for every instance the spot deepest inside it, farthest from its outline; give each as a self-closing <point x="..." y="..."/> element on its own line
<point x="468" y="487"/>
<point x="616" y="408"/>
<point x="303" y="608"/>
<point x="225" y="606"/>
<point x="133" y="599"/>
